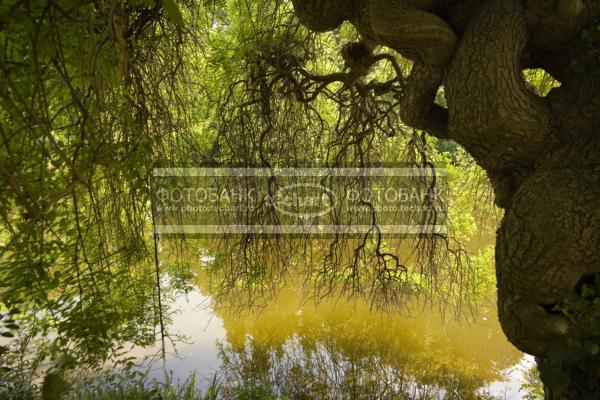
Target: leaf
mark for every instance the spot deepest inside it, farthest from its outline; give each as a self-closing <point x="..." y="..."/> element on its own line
<point x="7" y="334"/>
<point x="173" y="13"/>
<point x="587" y="291"/>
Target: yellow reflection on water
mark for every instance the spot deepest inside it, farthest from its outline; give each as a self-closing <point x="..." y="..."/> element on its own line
<point x="340" y="344"/>
<point x="341" y="348"/>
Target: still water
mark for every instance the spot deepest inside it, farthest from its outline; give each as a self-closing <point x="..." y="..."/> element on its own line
<point x="337" y="349"/>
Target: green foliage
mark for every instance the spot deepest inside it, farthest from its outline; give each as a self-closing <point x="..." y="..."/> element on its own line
<point x="126" y="384"/>
<point x="91" y="98"/>
<point x="532" y="388"/>
<point x="572" y="366"/>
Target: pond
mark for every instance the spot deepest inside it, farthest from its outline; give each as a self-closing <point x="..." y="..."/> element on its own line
<point x="338" y="349"/>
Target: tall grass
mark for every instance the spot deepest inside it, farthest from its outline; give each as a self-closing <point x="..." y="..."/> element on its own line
<point x="137" y="386"/>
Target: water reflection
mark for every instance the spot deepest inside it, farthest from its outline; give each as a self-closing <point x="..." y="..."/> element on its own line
<point x="339" y="349"/>
<point x="342" y="350"/>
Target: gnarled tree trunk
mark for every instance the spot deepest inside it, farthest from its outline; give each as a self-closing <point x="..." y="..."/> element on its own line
<point x="542" y="154"/>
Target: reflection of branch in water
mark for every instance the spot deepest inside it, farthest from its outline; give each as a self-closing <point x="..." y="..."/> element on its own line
<point x="323" y="370"/>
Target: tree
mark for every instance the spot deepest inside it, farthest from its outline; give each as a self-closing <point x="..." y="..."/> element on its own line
<point x="85" y="101"/>
<point x="540" y="152"/>
<point x="91" y="91"/>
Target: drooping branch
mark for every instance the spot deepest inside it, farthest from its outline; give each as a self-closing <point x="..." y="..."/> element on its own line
<point x="351" y="79"/>
<point x="414" y="32"/>
<point x="365" y="113"/>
